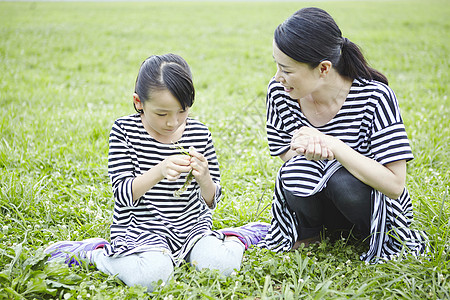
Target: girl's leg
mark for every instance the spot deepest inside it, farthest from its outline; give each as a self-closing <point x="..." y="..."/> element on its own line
<point x="213" y="253"/>
<point x="144" y="268"/>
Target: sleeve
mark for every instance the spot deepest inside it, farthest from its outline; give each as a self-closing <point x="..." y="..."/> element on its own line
<point x="213" y="165"/>
<point x="389" y="141"/>
<point x="120" y="166"/>
<point x="278" y="137"/>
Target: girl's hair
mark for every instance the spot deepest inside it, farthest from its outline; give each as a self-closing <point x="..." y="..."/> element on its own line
<point x="311" y="36"/>
<point x="165" y="72"/>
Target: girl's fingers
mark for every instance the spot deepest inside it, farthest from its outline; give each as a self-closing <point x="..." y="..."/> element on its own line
<point x="172" y="175"/>
<point x="194" y="153"/>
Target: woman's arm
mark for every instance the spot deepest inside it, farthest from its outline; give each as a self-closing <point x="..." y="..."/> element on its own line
<point x="389" y="179"/>
<point x="288" y="155"/>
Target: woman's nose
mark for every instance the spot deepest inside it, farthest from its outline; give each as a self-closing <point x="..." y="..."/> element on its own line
<point x="278" y="76"/>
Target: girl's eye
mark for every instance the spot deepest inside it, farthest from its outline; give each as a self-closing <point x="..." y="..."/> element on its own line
<point x="161" y="115"/>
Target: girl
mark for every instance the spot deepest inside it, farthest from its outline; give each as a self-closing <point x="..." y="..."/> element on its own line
<point x="336" y="124"/>
<point x="157" y="222"/>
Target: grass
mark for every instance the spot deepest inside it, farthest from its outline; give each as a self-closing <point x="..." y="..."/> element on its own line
<point x="67" y="70"/>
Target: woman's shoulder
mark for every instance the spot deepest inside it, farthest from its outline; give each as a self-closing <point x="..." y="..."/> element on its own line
<point x="275" y="87"/>
<point x="374" y="86"/>
<point x="277" y="96"/>
<point x="377" y="94"/>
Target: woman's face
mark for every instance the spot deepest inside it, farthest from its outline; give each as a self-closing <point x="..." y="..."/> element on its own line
<point x="163" y="116"/>
<point x="297" y="78"/>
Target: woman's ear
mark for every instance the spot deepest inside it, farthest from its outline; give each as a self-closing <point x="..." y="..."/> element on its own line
<point x="324" y="68"/>
<point x="137" y="102"/>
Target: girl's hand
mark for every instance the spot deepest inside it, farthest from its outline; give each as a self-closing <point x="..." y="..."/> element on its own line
<point x="312" y="144"/>
<point x="173" y="166"/>
<point x="199" y="165"/>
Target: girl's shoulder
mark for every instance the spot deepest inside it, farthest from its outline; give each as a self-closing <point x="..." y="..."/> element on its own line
<point x="195" y="126"/>
<point x="128" y="123"/>
<point x="129" y="119"/>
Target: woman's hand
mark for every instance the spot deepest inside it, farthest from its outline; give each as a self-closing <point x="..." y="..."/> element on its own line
<point x="388" y="179"/>
<point x="312" y="144"/>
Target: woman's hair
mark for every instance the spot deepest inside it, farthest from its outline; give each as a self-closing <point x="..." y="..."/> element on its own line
<point x="311" y="36"/>
<point x="165" y="72"/>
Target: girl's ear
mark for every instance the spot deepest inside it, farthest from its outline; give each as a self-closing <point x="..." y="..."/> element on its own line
<point x="137" y="102"/>
<point x="324" y="68"/>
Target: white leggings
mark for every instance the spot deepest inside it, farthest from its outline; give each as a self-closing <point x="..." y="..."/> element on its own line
<point x="147" y="268"/>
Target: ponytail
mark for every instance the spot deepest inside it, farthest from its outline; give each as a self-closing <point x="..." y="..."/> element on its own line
<point x="353" y="64"/>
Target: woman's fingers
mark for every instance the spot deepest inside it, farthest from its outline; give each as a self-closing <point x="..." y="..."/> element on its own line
<point x="311" y="144"/>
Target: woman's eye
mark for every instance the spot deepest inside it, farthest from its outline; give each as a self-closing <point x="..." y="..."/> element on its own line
<point x="161" y="115"/>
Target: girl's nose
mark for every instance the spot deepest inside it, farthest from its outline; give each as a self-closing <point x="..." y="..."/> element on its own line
<point x="172" y="122"/>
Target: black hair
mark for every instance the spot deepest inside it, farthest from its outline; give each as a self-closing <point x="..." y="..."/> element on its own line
<point x="165" y="72"/>
<point x="311" y="36"/>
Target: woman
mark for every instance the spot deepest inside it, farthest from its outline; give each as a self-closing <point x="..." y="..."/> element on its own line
<point x="337" y="125"/>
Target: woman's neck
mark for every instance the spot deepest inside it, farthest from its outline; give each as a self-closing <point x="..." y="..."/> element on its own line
<point x="322" y="106"/>
<point x="333" y="91"/>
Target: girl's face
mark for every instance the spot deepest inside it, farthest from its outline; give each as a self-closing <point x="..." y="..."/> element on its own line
<point x="163" y="116"/>
<point x="297" y="78"/>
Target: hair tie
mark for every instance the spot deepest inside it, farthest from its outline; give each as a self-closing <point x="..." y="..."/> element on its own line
<point x="345" y="41"/>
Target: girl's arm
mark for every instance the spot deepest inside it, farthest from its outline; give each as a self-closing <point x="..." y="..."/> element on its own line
<point x="200" y="170"/>
<point x="170" y="168"/>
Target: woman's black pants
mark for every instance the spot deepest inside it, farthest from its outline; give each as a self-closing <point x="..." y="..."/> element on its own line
<point x="344" y="204"/>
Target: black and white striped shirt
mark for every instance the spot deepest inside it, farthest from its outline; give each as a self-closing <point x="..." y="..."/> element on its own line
<point x="370" y="123"/>
<point x="157" y="220"/>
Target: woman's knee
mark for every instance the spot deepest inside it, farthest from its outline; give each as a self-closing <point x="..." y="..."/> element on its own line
<point x="212" y="253"/>
<point x="345" y="190"/>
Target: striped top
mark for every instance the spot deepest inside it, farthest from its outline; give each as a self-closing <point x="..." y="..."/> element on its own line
<point x="157" y="220"/>
<point x="369" y="122"/>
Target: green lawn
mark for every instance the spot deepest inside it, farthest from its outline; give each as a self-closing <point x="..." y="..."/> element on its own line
<point x="67" y="71"/>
